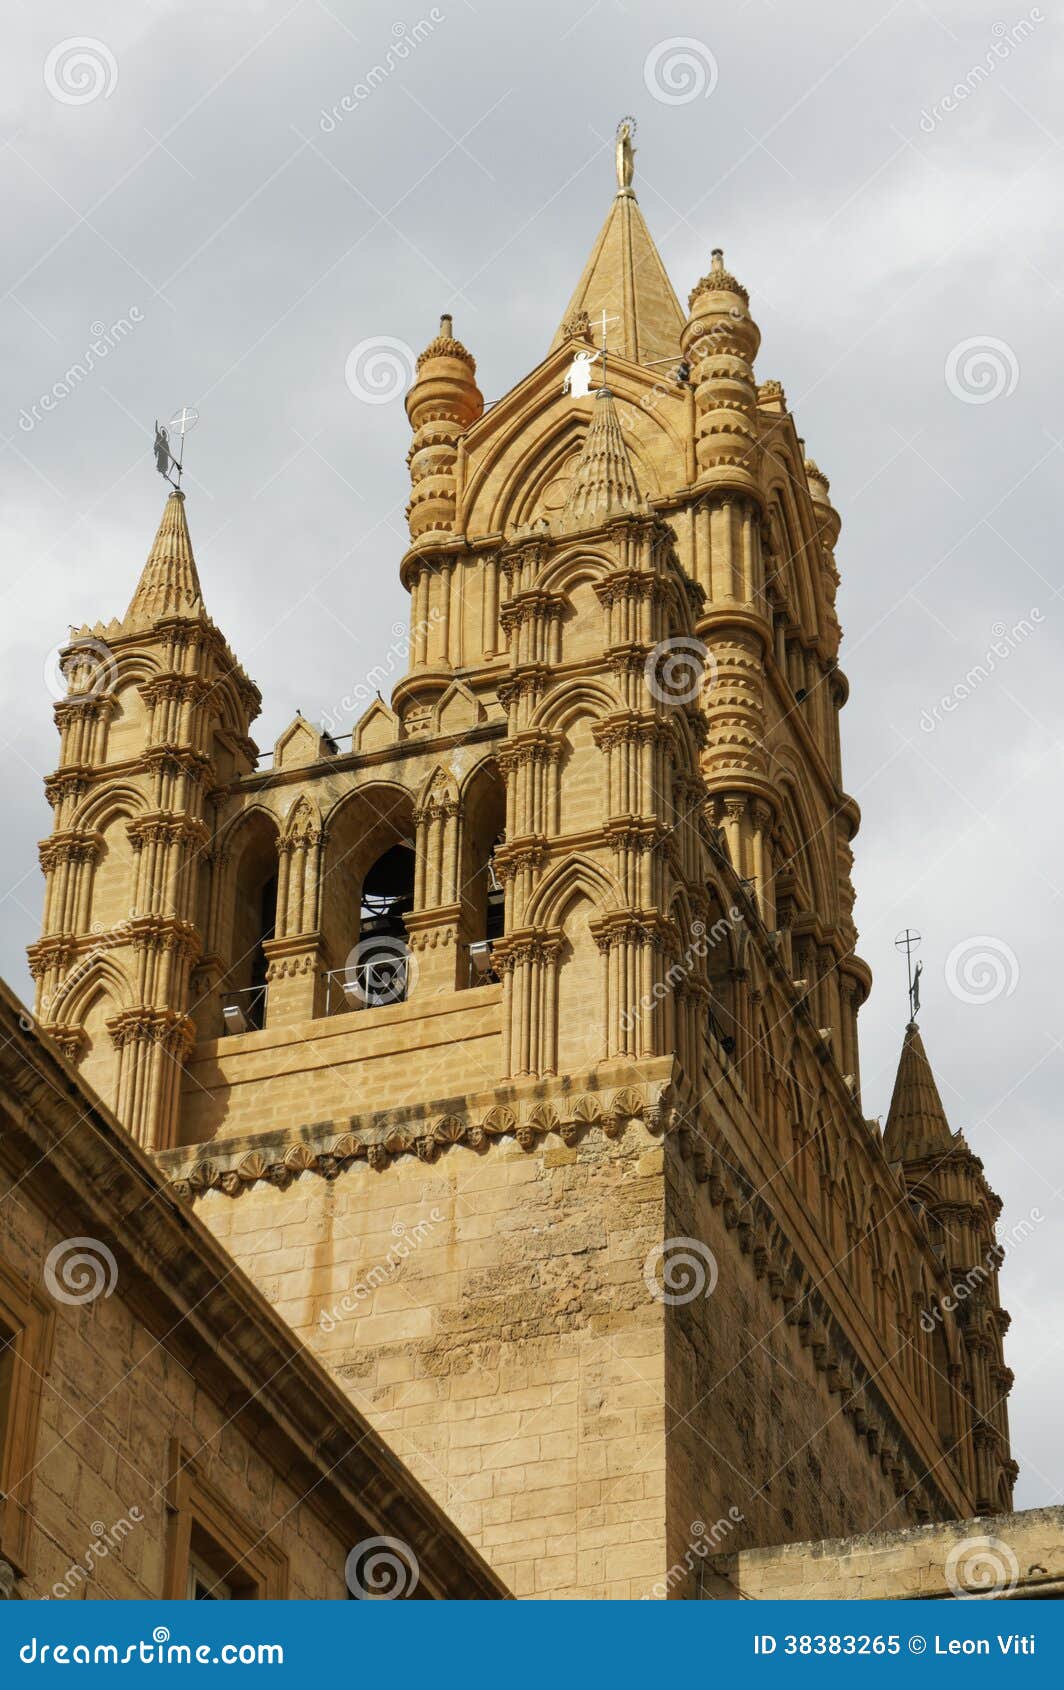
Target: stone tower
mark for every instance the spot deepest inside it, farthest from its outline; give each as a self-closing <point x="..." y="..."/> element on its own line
<point x="517" y="1030"/>
<point x="156" y="717"/>
<point x="946" y="1186"/>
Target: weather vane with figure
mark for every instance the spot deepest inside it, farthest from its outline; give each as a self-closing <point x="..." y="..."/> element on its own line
<point x="909" y="942"/>
<point x="166" y="461"/>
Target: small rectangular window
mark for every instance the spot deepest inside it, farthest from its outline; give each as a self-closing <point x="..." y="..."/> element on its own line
<point x="213" y="1555"/>
<point x="203" y="1586"/>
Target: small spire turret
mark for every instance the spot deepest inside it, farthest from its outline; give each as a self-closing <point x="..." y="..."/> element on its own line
<point x="916" y="1122"/>
<point x="443" y="402"/>
<point x="720" y="343"/>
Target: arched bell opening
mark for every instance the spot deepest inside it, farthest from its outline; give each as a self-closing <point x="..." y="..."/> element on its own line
<point x="367" y="894"/>
<point x="254" y="919"/>
<point x="378" y="971"/>
<point x="483" y="893"/>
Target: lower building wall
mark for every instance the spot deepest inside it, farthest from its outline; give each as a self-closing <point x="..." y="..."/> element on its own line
<point x="509" y="1318"/>
<point x="760" y="1449"/>
<point x="1001" y="1555"/>
<point x="113" y="1404"/>
<point x="487" y="1312"/>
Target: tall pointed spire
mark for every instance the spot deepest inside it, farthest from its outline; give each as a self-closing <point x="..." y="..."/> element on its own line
<point x="169" y="584"/>
<point x="603" y="482"/>
<point x="916" y="1122"/>
<point x="625" y="277"/>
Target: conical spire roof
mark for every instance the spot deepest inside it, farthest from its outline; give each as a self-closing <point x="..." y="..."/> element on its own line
<point x="625" y="278"/>
<point x="916" y="1123"/>
<point x="603" y="482"/>
<point x="169" y="584"/>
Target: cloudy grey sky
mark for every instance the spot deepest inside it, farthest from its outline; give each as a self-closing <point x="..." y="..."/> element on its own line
<point x="886" y="181"/>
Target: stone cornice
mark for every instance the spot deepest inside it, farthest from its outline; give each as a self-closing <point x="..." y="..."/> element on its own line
<point x="181" y="632"/>
<point x="520" y="1111"/>
<point x="170" y="758"/>
<point x="167" y="827"/>
<point x="71" y="780"/>
<point x="176" y="687"/>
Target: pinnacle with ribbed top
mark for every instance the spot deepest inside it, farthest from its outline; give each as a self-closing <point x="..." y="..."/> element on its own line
<point x="916" y="1122"/>
<point x="169" y="584"/>
<point x="603" y="482"/>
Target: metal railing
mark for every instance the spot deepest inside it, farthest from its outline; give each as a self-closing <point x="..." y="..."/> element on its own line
<point x="244" y="1011"/>
<point x="366" y="985"/>
<point x="385" y="980"/>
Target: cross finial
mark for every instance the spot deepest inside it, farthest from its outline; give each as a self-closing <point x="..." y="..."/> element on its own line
<point x="578" y="379"/>
<point x="909" y="942"/>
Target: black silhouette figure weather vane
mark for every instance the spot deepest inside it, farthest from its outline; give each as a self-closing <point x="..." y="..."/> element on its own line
<point x="170" y="465"/>
<point x="909" y="942"/>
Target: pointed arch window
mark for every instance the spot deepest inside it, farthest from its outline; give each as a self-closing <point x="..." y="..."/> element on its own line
<point x="367" y="893"/>
<point x="378" y="970"/>
<point x="253" y="920"/>
<point x="483" y="894"/>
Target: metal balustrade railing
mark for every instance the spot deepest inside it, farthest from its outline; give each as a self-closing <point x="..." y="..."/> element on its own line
<point x="366" y="985"/>
<point x="244" y="1011"/>
<point x="370" y="984"/>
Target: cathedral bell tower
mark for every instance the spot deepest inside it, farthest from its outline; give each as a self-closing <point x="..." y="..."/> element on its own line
<point x="523" y="1008"/>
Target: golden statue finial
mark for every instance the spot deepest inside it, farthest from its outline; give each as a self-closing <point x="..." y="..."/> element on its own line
<point x="625" y="154"/>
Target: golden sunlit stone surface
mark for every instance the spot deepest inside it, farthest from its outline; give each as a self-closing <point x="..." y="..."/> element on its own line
<point x="597" y="1236"/>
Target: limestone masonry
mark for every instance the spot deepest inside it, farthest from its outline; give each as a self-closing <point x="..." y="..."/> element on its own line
<point x="162" y="1432"/>
<point x="510" y="1044"/>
